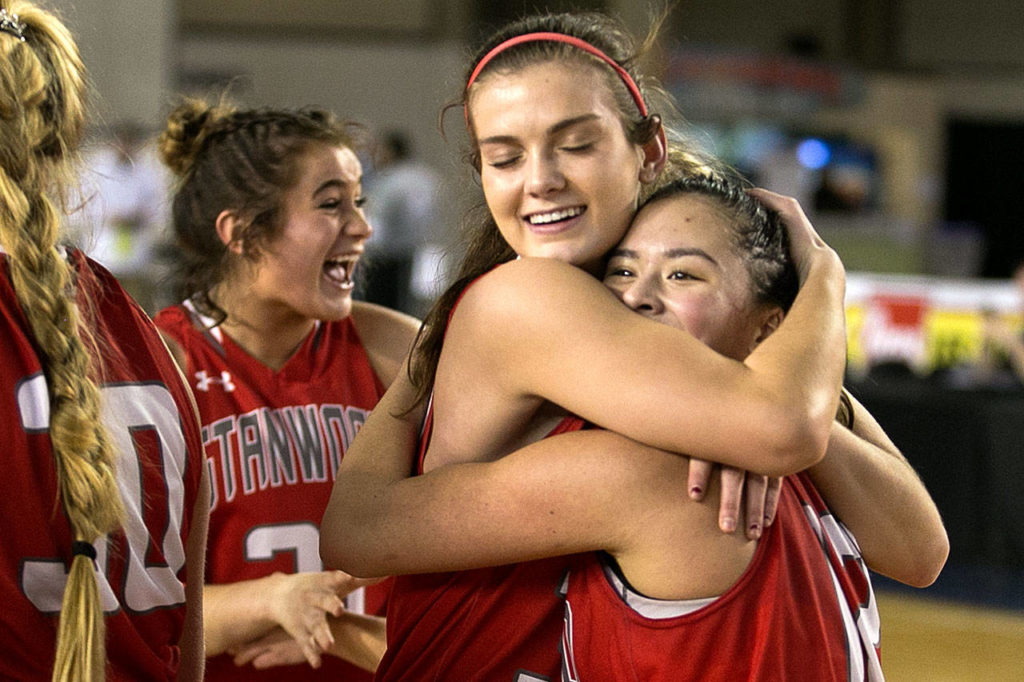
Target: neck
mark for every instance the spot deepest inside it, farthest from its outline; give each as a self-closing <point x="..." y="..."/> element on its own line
<point x="271" y="333"/>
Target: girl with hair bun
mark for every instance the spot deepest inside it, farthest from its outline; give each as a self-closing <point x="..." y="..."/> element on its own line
<point x="104" y="518"/>
<point x="285" y="367"/>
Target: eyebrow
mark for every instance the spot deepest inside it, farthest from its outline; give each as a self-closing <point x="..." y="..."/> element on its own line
<point x="334" y="183"/>
<point x="553" y="130"/>
<point x="678" y="252"/>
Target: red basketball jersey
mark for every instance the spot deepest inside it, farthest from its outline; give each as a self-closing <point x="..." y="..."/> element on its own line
<point x="802" y="611"/>
<point x="274" y="440"/>
<point x="141" y="569"/>
<point x="500" y="623"/>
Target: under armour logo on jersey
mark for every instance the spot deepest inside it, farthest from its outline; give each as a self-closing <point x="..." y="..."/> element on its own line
<point x="204" y="380"/>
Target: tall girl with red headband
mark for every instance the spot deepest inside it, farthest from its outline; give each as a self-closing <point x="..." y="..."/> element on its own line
<point x="527" y="343"/>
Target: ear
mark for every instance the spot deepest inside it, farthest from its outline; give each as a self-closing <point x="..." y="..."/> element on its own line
<point x="655" y="154"/>
<point x="772" y="319"/>
<point x="228" y="225"/>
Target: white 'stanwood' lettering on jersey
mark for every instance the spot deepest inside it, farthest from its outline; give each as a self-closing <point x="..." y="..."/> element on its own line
<point x="273" y="447"/>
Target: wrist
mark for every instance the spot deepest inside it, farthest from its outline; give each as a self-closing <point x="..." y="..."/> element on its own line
<point x="269" y="586"/>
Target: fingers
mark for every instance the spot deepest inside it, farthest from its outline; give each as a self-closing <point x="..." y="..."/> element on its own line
<point x="757" y="487"/>
<point x="699" y="477"/>
<point x="303" y="603"/>
<point x="732" y="495"/>
<point x="342" y="583"/>
<point x="803" y="239"/>
<point x="771" y="500"/>
<point x="277" y="648"/>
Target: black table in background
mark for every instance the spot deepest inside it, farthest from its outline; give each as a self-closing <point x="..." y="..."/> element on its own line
<point x="967" y="444"/>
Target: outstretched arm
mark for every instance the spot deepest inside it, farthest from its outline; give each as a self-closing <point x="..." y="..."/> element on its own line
<point x="192" y="642"/>
<point x="560" y="495"/>
<point x="872" y="488"/>
<point x="359" y="639"/>
<point x="540" y="328"/>
<point x="299" y="603"/>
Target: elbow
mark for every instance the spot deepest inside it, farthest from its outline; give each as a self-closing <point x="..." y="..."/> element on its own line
<point x="345" y="554"/>
<point x="919" y="562"/>
<point x="929" y="562"/>
<point x="342" y="547"/>
<point x="797" y="445"/>
<point x="332" y="551"/>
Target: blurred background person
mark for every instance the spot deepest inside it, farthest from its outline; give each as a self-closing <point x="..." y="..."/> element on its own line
<point x="403" y="194"/>
<point x="124" y="216"/>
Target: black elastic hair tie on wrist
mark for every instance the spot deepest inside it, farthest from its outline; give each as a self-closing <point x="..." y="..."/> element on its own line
<point x="83" y="548"/>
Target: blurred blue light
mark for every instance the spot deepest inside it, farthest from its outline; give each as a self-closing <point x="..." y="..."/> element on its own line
<point x="813" y="153"/>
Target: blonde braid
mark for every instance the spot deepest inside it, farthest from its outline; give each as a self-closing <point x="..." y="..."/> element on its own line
<point x="42" y="87"/>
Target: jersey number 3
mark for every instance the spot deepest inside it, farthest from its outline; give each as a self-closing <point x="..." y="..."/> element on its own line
<point x="128" y="410"/>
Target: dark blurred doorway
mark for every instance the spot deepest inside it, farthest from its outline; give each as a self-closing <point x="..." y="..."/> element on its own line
<point x="985" y="186"/>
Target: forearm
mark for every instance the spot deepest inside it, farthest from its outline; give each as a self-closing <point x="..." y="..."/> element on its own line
<point x="192" y="644"/>
<point x="800" y="366"/>
<point x="236" y="613"/>
<point x="533" y="503"/>
<point x="872" y="488"/>
<point x="381" y="455"/>
<point x="359" y="639"/>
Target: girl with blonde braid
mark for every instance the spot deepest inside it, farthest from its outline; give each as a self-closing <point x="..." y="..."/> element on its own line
<point x="103" y="522"/>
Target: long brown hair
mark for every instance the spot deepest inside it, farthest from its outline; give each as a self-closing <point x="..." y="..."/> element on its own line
<point x="485" y="247"/>
<point x="42" y="117"/>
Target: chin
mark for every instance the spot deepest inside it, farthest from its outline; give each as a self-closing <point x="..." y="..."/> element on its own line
<point x="335" y="310"/>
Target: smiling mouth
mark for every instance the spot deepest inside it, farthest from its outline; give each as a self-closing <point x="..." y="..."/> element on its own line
<point x="552" y="217"/>
<point x="341" y="270"/>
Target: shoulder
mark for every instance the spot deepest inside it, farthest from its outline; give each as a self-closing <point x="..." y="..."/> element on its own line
<point x="171" y="318"/>
<point x="533" y="298"/>
<point x="176" y="350"/>
<point x="386" y="334"/>
<point x="172" y="322"/>
<point x="532" y="282"/>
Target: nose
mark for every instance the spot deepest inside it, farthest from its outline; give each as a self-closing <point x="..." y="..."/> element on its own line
<point x="359" y="226"/>
<point x="643" y="295"/>
<point x="543" y="175"/>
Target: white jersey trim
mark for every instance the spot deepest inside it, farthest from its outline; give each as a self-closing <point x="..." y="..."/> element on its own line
<point x="648" y="607"/>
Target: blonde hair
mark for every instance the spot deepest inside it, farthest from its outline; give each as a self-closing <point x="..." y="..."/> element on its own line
<point x="42" y="117"/>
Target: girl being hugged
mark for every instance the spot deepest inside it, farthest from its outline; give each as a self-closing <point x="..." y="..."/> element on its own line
<point x="104" y="516"/>
<point x="566" y="143"/>
<point x="269" y="226"/>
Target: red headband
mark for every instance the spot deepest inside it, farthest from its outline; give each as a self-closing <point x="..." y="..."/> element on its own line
<point x="561" y="38"/>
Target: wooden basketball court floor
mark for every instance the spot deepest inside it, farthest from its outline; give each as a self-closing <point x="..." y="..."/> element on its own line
<point x="929" y="639"/>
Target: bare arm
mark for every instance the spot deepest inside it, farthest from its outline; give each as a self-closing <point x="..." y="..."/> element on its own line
<point x="191" y="644"/>
<point x="536" y="327"/>
<point x="542" y="328"/>
<point x="358" y="639"/>
<point x="387" y="336"/>
<point x="868" y="483"/>
<point x="560" y="495"/>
